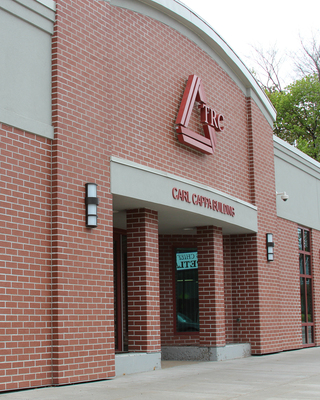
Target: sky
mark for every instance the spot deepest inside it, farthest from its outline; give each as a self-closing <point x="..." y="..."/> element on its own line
<point x="263" y="24"/>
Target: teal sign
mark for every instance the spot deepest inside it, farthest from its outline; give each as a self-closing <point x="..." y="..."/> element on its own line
<point x="187" y="260"/>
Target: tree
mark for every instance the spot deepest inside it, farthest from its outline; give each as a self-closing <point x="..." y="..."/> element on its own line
<point x="298" y="114"/>
<point x="269" y="63"/>
<point x="298" y="105"/>
<point x="307" y="59"/>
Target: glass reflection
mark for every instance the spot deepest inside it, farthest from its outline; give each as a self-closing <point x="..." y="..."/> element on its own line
<point x="301" y="262"/>
<point x="308" y="269"/>
<point x="300" y="238"/>
<point x="304" y="338"/>
<point x="303" y="300"/>
<point x="187" y="294"/>
<point x="310" y="334"/>
<point x="309" y="300"/>
<point x="306" y="241"/>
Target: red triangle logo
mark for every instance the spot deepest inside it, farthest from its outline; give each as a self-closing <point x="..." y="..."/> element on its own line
<point x="211" y="121"/>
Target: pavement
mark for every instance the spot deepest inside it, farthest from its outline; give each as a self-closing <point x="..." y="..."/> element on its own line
<point x="289" y="375"/>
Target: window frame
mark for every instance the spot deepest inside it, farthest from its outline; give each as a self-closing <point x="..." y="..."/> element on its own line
<point x="305" y="277"/>
<point x="174" y="291"/>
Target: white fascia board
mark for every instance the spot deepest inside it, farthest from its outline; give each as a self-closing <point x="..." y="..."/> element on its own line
<point x="40" y="13"/>
<point x="48" y="3"/>
<point x="296" y="157"/>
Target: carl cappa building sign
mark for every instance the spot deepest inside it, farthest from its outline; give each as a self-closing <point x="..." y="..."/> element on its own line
<point x="202" y="201"/>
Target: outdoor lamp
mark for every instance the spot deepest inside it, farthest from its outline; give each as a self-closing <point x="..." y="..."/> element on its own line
<point x="270" y="246"/>
<point x="92" y="202"/>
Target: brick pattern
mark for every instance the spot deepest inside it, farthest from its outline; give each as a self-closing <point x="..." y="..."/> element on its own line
<point x="25" y="245"/>
<point x="112" y="96"/>
<point x="150" y="64"/>
<point x="228" y="290"/>
<point x="82" y="265"/>
<point x="211" y="287"/>
<point x="143" y="281"/>
<point x="251" y="138"/>
<point x="263" y="192"/>
<point x="290" y="316"/>
<point x="208" y="241"/>
<point x="245" y="285"/>
<point x="245" y="290"/>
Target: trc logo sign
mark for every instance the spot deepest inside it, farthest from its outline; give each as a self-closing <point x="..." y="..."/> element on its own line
<point x="211" y="121"/>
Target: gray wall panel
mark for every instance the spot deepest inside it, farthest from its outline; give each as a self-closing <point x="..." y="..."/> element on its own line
<point x="299" y="176"/>
<point x="25" y="66"/>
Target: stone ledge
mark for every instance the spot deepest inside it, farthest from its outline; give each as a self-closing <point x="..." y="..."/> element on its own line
<point x="194" y="353"/>
<point x="132" y="363"/>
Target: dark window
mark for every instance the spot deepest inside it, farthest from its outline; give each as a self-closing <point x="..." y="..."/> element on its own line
<point x="186" y="290"/>
<point x="306" y="287"/>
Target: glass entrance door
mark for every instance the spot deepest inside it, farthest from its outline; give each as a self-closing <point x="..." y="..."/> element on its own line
<point x="186" y="290"/>
<point x="120" y="292"/>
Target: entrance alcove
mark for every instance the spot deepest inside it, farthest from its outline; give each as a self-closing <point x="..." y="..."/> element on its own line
<point x="151" y="225"/>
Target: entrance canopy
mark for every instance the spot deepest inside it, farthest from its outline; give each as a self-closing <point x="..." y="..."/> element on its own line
<point x="182" y="205"/>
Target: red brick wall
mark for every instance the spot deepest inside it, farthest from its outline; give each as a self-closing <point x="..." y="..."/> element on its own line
<point x="243" y="162"/>
<point x="142" y="128"/>
<point x="118" y="78"/>
<point x="150" y="63"/>
<point x="228" y="301"/>
<point x="143" y="281"/>
<point x="263" y="192"/>
<point x="83" y="327"/>
<point x="253" y="307"/>
<point x="208" y="241"/>
<point x="245" y="290"/>
<point x="25" y="306"/>
<point x="211" y="287"/>
<point x="290" y="312"/>
<point x="245" y="301"/>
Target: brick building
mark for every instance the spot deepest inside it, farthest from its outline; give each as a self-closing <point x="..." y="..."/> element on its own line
<point x="144" y="100"/>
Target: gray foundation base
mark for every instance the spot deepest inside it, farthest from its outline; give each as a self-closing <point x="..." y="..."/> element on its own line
<point x="131" y="363"/>
<point x="193" y="353"/>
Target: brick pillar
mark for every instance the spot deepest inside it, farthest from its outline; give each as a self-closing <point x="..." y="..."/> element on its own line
<point x="143" y="281"/>
<point x="211" y="287"/>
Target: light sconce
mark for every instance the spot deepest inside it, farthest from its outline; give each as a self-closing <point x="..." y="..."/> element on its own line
<point x="92" y="202"/>
<point x="270" y="247"/>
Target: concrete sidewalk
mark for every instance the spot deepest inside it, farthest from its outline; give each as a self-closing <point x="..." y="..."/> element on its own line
<point x="290" y="375"/>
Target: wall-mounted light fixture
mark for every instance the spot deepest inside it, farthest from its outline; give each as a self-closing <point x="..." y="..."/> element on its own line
<point x="270" y="247"/>
<point x="92" y="202"/>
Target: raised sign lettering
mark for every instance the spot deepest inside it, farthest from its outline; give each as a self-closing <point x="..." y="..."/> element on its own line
<point x="202" y="201"/>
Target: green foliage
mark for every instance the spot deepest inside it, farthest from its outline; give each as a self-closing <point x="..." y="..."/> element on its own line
<point x="298" y="114"/>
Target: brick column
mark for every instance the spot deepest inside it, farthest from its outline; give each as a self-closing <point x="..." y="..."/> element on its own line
<point x="211" y="287"/>
<point x="143" y="281"/>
